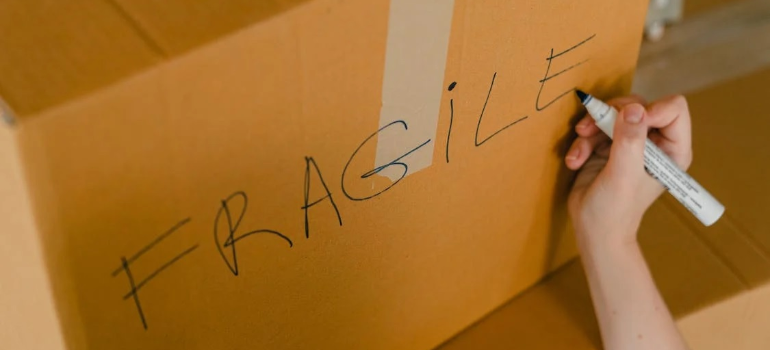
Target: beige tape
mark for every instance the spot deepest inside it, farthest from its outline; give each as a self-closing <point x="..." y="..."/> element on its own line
<point x="415" y="59"/>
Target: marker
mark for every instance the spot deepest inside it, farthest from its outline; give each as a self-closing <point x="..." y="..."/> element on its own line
<point x="683" y="187"/>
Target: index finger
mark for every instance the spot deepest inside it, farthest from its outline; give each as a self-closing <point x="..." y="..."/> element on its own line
<point x="620" y="102"/>
<point x="587" y="128"/>
<point x="671" y="116"/>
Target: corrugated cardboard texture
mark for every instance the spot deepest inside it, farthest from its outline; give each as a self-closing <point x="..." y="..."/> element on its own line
<point x="53" y="51"/>
<point x="739" y="323"/>
<point x="714" y="280"/>
<point x="734" y="155"/>
<point x="555" y="314"/>
<point x="111" y="172"/>
<point x="177" y="26"/>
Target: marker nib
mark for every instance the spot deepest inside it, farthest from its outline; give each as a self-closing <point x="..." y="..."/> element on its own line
<point x="581" y="95"/>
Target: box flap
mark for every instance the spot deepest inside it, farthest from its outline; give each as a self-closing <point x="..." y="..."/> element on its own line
<point x="180" y="25"/>
<point x="54" y="51"/>
<point x="736" y="324"/>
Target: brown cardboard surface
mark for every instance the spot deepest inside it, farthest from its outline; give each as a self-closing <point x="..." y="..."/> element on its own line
<point x="739" y="323"/>
<point x="179" y="25"/>
<point x="153" y="157"/>
<point x="53" y="51"/>
<point x="734" y="155"/>
<point x="27" y="313"/>
<point x="555" y="314"/>
<point x="689" y="274"/>
<point x="714" y="279"/>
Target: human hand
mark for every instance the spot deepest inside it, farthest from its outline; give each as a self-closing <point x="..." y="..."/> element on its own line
<point x="612" y="191"/>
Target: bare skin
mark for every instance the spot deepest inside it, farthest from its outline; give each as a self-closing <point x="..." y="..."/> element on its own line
<point x="610" y="195"/>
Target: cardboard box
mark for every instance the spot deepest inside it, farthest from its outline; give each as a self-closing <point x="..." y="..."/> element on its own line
<point x="323" y="174"/>
<point x="713" y="279"/>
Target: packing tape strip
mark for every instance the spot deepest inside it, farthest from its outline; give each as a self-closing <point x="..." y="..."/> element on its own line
<point x="415" y="61"/>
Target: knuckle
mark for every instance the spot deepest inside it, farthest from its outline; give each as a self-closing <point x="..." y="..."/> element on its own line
<point x="680" y="101"/>
<point x="638" y="99"/>
<point x="620" y="102"/>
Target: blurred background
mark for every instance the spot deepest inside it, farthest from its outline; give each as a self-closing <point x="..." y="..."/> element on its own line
<point x="693" y="45"/>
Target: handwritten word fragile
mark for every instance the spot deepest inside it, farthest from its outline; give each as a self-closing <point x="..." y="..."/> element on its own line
<point x="227" y="229"/>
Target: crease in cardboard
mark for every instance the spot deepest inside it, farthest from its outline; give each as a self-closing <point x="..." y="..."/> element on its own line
<point x="141" y="32"/>
<point x="6" y="114"/>
<point x="415" y="61"/>
<point x="748" y="237"/>
<point x="710" y="247"/>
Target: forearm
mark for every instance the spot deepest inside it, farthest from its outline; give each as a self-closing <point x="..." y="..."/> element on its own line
<point x="629" y="308"/>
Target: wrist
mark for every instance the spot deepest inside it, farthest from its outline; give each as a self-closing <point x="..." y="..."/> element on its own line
<point x="605" y="239"/>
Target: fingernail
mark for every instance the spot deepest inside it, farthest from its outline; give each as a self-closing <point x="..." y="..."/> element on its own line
<point x="583" y="123"/>
<point x="573" y="153"/>
<point x="633" y="113"/>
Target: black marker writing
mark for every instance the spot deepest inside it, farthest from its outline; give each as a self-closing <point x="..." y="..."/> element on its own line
<point x="125" y="266"/>
<point x="308" y="205"/>
<point x="547" y="77"/>
<point x="395" y="162"/>
<point x="478" y="126"/>
<point x="451" y="119"/>
<point x="232" y="209"/>
<point x="232" y="227"/>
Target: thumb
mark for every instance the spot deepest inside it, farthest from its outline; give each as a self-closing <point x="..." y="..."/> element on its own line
<point x="629" y="136"/>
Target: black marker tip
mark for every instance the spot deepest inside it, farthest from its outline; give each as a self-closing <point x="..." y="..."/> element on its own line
<point x="581" y="95"/>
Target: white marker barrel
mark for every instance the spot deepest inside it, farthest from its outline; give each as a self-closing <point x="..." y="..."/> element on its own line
<point x="683" y="187"/>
